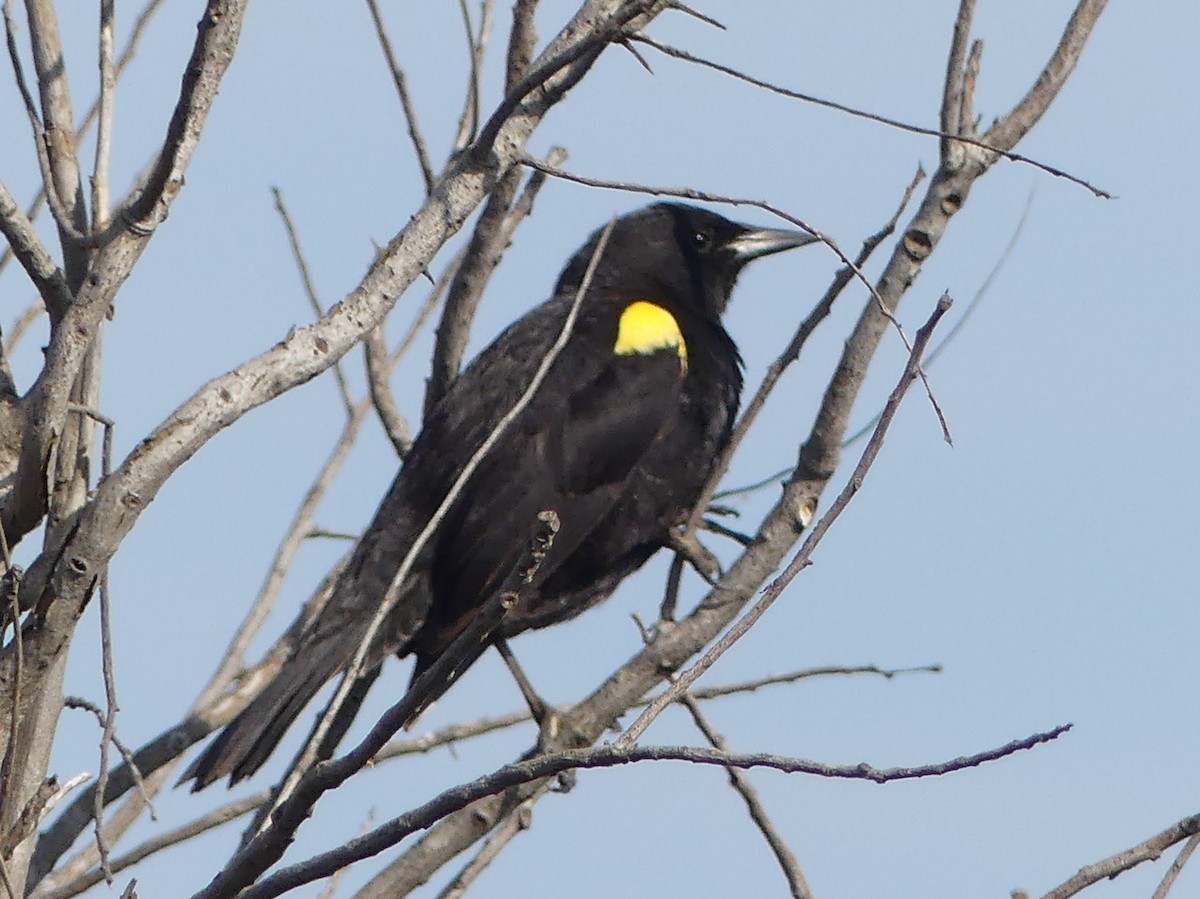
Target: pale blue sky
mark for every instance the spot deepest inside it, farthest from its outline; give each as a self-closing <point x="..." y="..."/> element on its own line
<point x="1046" y="560"/>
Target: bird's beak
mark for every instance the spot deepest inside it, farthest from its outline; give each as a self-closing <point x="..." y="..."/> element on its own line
<point x="755" y="242"/>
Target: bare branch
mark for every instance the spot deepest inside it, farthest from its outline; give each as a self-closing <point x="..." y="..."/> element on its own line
<point x="1007" y="131"/>
<point x="985" y="144"/>
<point x="1147" y="850"/>
<point x="587" y="721"/>
<point x="223" y="814"/>
<point x="517" y="821"/>
<point x="521" y="41"/>
<point x="468" y="122"/>
<point x="43" y="271"/>
<point x="534" y="769"/>
<point x="972" y="306"/>
<point x="1168" y="881"/>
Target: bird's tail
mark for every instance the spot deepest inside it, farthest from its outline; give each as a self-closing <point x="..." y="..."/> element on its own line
<point x="250" y="738"/>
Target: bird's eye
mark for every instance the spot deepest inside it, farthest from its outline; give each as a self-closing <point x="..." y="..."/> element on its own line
<point x="702" y="240"/>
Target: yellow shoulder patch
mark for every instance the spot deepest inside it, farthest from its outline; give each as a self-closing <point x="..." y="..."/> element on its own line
<point x="646" y="327"/>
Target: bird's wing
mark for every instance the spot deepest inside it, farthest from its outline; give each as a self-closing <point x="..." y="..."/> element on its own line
<point x="572" y="451"/>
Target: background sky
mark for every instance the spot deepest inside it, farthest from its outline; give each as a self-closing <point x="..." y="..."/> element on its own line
<point x="1047" y="560"/>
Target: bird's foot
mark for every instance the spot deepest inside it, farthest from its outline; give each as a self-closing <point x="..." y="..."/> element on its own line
<point x="697" y="555"/>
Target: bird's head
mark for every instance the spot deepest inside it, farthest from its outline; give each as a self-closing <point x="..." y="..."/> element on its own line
<point x="680" y="253"/>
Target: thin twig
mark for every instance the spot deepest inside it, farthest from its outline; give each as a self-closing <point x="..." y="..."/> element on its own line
<point x="749" y="686"/>
<point x="108" y="719"/>
<point x="395" y="426"/>
<point x="110" y="716"/>
<point x="310" y="292"/>
<point x="972" y="306"/>
<point x="410" y="112"/>
<point x="516" y="822"/>
<point x="47" y="60"/>
<point x="986" y="145"/>
<point x="78" y="702"/>
<point x="788" y="863"/>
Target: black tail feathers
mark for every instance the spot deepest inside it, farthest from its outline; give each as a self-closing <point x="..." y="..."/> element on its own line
<point x="250" y="738"/>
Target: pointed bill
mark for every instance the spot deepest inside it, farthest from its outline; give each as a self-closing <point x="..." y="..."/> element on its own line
<point x="756" y="242"/>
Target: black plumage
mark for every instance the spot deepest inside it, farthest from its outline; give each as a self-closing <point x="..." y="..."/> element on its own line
<point x="618" y="440"/>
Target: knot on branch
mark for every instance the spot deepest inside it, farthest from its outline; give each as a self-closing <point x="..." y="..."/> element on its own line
<point x="917" y="244"/>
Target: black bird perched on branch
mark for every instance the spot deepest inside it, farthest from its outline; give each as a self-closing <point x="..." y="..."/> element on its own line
<point x="618" y="440"/>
